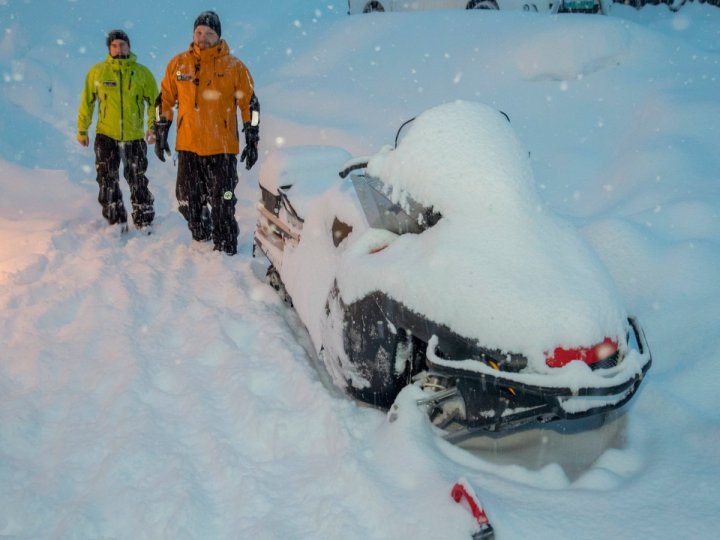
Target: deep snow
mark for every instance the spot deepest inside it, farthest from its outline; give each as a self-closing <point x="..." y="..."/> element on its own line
<point x="150" y="388"/>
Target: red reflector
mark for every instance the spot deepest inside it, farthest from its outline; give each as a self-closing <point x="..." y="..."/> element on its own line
<point x="589" y="355"/>
<point x="378" y="249"/>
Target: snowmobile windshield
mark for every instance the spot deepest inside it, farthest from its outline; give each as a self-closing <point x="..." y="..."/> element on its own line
<point x="382" y="213"/>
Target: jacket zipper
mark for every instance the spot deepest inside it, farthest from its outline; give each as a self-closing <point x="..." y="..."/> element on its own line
<point x="138" y="99"/>
<point x="122" y="110"/>
<point x="196" y="82"/>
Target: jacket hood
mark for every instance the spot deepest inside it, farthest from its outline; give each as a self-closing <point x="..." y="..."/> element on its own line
<point x="131" y="59"/>
<point x="221" y="49"/>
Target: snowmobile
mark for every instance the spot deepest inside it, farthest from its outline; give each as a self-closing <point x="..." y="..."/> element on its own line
<point x="442" y="269"/>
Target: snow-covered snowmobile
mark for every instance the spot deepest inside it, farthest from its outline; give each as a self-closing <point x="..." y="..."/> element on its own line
<point x="434" y="263"/>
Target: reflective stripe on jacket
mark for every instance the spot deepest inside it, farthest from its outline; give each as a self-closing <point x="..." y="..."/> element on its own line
<point x="123" y="89"/>
<point x="208" y="87"/>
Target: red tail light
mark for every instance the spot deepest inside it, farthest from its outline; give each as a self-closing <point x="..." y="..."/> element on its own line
<point x="590" y="355"/>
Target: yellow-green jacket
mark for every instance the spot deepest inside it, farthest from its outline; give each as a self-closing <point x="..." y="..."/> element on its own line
<point x="124" y="89"/>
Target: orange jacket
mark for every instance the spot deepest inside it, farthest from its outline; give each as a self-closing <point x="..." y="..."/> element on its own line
<point x="207" y="87"/>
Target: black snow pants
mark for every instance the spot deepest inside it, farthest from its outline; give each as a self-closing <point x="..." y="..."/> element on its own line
<point x="108" y="154"/>
<point x="205" y="193"/>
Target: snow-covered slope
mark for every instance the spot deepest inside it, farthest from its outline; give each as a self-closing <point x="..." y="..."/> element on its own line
<point x="150" y="388"/>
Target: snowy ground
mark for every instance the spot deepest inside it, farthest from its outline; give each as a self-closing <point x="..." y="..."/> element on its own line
<point x="150" y="388"/>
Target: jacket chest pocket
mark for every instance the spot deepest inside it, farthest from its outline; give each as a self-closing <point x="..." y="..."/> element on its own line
<point x="183" y="78"/>
<point x="110" y="89"/>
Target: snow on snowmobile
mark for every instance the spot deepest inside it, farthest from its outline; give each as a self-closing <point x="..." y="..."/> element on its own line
<point x="434" y="263"/>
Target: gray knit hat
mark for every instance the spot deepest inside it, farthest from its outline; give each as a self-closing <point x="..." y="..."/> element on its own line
<point x="211" y="19"/>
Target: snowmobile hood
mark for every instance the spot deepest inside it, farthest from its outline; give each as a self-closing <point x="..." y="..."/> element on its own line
<point x="498" y="266"/>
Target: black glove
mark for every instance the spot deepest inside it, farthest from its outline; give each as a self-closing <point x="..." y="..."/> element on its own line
<point x="162" y="128"/>
<point x="250" y="153"/>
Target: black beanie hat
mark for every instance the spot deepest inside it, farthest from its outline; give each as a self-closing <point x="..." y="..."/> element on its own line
<point x="211" y="19"/>
<point x="117" y="34"/>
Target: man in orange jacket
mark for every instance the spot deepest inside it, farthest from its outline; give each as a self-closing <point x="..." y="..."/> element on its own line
<point x="208" y="85"/>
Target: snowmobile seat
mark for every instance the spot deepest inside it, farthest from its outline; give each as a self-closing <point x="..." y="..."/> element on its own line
<point x="300" y="174"/>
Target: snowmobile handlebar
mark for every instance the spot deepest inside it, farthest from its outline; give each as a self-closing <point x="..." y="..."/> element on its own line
<point x="354" y="167"/>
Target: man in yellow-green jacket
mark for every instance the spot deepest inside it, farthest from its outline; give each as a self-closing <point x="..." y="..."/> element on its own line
<point x="124" y="91"/>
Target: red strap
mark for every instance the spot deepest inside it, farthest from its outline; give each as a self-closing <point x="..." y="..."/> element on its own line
<point x="459" y="491"/>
